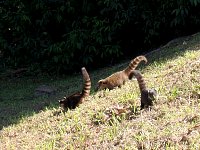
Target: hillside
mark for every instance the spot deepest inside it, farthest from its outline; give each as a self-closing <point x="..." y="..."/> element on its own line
<point x="28" y="122"/>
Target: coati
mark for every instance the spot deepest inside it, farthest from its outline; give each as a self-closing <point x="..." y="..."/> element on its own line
<point x="147" y="95"/>
<point x="75" y="99"/>
<point x="119" y="78"/>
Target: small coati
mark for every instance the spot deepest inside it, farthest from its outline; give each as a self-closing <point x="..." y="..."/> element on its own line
<point x="75" y="99"/>
<point x="119" y="78"/>
<point x="147" y="95"/>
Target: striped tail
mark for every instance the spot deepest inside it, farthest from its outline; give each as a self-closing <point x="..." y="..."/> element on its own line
<point x="134" y="63"/>
<point x="87" y="83"/>
<point x="140" y="79"/>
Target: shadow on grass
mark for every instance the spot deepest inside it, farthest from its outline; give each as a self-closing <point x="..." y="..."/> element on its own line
<point x="17" y="100"/>
<point x="16" y="95"/>
<point x="14" y="109"/>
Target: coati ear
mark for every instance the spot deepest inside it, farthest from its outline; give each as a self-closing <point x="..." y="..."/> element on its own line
<point x="101" y="82"/>
<point x="62" y="100"/>
<point x="152" y="94"/>
<point x="131" y="75"/>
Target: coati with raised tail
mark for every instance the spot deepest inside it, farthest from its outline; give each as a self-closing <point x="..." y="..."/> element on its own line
<point x="75" y="99"/>
<point x="119" y="78"/>
<point x="147" y="95"/>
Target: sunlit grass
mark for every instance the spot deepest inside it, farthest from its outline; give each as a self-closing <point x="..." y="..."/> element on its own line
<point x="30" y="122"/>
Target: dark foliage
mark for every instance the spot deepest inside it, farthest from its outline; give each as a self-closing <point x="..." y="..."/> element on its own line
<point x="58" y="36"/>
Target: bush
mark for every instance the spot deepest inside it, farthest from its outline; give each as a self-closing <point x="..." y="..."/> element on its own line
<point x="59" y="36"/>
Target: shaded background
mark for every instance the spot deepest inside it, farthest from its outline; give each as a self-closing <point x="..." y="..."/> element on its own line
<point x="59" y="37"/>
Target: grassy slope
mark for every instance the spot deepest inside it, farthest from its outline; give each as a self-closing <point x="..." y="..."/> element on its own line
<point x="27" y="122"/>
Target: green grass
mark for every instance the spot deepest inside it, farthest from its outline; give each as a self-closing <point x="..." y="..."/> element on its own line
<point x="110" y="119"/>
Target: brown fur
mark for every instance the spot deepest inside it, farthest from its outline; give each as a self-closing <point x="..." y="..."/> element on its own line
<point x="147" y="95"/>
<point x="119" y="78"/>
<point x="75" y="99"/>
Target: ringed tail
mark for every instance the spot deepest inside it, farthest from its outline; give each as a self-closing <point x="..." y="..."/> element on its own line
<point x="87" y="83"/>
<point x="140" y="79"/>
<point x="134" y="63"/>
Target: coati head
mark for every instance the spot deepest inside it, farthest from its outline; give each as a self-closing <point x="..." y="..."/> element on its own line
<point x="62" y="102"/>
<point x="101" y="85"/>
<point x="147" y="97"/>
<point x="152" y="94"/>
<point x="71" y="101"/>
